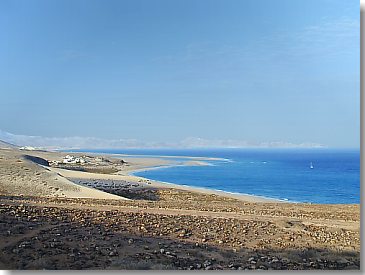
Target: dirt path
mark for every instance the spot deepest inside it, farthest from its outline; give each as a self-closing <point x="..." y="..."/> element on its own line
<point x="348" y="225"/>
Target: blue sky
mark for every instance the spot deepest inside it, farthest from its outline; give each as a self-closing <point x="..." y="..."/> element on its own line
<point x="167" y="70"/>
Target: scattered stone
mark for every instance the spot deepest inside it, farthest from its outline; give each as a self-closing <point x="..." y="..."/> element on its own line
<point x="113" y="253"/>
<point x="342" y="261"/>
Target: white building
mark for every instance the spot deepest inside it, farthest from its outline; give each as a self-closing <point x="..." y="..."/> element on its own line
<point x="29" y="148"/>
<point x="74" y="160"/>
<point x="79" y="160"/>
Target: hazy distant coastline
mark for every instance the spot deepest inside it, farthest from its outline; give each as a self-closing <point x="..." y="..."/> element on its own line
<point x="63" y="143"/>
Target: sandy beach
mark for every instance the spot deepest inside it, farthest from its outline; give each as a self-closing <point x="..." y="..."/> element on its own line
<point x="100" y="216"/>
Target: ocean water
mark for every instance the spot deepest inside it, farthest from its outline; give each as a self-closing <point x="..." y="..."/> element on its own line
<point x="283" y="174"/>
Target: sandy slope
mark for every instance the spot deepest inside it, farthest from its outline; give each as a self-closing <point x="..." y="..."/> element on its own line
<point x="19" y="176"/>
<point x="7" y="145"/>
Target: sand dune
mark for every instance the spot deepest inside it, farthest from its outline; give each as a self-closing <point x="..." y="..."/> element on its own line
<point x="7" y="145"/>
<point x="19" y="175"/>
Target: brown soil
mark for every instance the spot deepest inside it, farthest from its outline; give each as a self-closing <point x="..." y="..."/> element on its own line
<point x="40" y="233"/>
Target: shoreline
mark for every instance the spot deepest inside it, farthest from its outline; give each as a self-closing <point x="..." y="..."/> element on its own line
<point x="235" y="195"/>
<point x="198" y="161"/>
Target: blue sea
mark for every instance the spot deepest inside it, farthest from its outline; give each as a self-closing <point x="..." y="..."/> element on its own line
<point x="284" y="174"/>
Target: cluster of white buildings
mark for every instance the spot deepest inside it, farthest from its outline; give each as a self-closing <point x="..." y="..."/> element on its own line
<point x="28" y="148"/>
<point x="73" y="160"/>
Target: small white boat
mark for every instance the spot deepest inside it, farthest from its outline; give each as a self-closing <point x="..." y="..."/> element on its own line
<point x="311" y="166"/>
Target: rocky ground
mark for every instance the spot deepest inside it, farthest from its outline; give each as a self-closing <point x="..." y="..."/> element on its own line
<point x="127" y="189"/>
<point x="181" y="230"/>
<point x="44" y="224"/>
